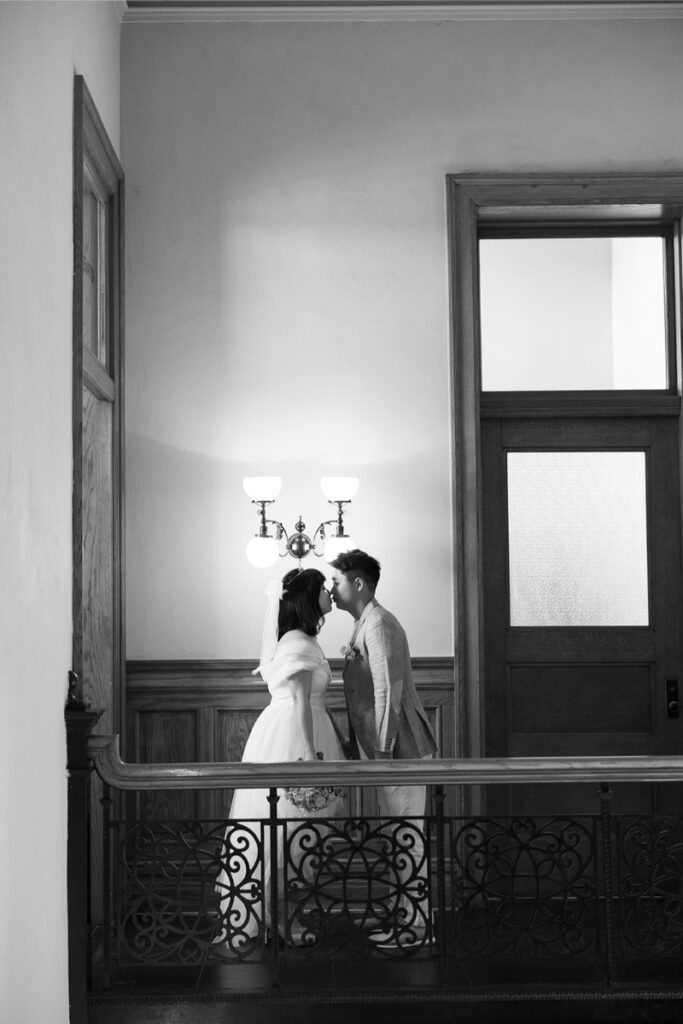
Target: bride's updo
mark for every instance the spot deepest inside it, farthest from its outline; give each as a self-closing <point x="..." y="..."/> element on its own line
<point x="300" y="602"/>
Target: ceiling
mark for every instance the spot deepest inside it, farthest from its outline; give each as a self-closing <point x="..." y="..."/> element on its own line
<point x="393" y="10"/>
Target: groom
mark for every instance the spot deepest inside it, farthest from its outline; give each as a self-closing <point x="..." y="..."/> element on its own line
<point x="386" y="716"/>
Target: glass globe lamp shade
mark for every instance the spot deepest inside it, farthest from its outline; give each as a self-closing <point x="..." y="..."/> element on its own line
<point x="262" y="488"/>
<point x="262" y="552"/>
<point x="339" y="488"/>
<point x="335" y="545"/>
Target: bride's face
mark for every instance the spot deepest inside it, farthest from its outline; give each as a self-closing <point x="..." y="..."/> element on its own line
<point x="325" y="601"/>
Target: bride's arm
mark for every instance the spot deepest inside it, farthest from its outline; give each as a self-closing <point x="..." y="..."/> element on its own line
<point x="300" y="685"/>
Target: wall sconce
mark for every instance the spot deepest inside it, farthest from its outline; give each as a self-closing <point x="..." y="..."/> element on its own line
<point x="264" y="549"/>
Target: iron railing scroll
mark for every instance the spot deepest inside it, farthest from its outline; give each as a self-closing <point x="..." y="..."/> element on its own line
<point x="587" y="902"/>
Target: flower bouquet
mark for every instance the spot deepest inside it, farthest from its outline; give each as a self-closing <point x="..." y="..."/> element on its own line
<point x="310" y="800"/>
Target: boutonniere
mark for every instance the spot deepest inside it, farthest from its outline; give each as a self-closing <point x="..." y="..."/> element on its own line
<point x="350" y="653"/>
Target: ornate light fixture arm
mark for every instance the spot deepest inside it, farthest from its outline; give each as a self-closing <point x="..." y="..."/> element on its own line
<point x="264" y="548"/>
<point x="265" y="523"/>
<point x="338" y="523"/>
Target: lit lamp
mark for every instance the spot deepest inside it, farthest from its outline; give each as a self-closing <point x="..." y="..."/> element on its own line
<point x="264" y="549"/>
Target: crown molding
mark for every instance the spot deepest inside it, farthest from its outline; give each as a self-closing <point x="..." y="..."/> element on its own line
<point x="136" y="11"/>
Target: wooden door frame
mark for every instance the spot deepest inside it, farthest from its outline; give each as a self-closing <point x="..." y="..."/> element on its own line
<point x="472" y="200"/>
<point x="90" y="140"/>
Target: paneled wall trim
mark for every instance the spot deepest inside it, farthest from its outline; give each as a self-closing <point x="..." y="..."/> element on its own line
<point x="177" y="710"/>
<point x="188" y="711"/>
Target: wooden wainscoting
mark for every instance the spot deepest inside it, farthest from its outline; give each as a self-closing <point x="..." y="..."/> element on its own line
<point x="179" y="711"/>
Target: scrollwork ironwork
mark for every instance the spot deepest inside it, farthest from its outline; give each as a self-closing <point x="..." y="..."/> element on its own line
<point x="513" y="889"/>
<point x="524" y="887"/>
<point x="651" y="869"/>
<point x="192" y="892"/>
<point x="172" y="908"/>
<point x="357" y="885"/>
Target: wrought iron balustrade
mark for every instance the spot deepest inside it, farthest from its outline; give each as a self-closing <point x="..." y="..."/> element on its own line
<point x="587" y="901"/>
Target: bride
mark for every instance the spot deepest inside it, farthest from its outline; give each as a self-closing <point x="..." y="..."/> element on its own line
<point x="295" y="726"/>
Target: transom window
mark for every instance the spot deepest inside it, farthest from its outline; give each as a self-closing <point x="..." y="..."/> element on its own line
<point x="574" y="310"/>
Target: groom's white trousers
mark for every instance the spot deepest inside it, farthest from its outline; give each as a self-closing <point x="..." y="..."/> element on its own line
<point x="407" y="802"/>
<point x="400" y="801"/>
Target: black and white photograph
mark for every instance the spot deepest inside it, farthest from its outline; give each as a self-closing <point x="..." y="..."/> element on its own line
<point x="341" y="470"/>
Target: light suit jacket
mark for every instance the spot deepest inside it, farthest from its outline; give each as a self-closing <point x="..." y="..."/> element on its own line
<point x="386" y="715"/>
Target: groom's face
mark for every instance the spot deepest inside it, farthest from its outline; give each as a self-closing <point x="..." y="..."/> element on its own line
<point x="343" y="590"/>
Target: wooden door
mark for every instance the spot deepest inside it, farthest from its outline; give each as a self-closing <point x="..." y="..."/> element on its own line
<point x="582" y="645"/>
<point x="97" y="413"/>
<point x="98" y="644"/>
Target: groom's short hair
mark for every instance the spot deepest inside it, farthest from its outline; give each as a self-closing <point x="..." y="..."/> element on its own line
<point x="358" y="563"/>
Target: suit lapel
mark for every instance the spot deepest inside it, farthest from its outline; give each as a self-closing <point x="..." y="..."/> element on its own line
<point x="358" y="687"/>
<point x="359" y="626"/>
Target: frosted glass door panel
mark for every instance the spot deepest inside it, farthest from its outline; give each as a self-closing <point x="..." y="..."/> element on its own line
<point x="577" y="538"/>
<point x="572" y="314"/>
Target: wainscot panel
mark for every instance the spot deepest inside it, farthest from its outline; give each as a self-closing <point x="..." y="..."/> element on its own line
<point x="204" y="710"/>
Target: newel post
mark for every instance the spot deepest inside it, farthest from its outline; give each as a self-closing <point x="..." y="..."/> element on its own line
<point x="79" y="723"/>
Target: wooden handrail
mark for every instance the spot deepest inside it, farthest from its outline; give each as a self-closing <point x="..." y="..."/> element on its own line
<point x="105" y="754"/>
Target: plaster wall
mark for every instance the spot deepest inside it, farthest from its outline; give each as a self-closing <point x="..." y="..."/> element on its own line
<point x="42" y="46"/>
<point x="287" y="280"/>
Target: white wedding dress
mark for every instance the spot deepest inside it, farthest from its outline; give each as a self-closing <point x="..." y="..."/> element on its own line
<point x="276" y="736"/>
